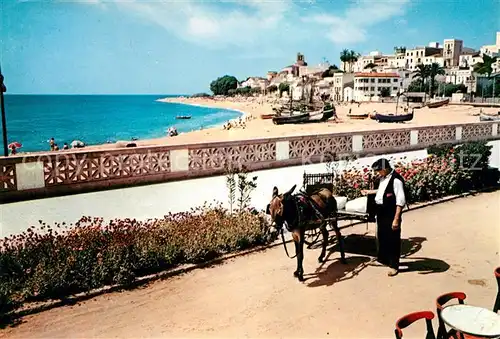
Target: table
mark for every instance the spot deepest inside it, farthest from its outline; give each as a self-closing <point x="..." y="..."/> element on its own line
<point x="472" y="320"/>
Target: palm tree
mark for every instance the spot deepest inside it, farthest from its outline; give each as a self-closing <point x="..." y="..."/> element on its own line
<point x="434" y="69"/>
<point x="422" y="73"/>
<point x="485" y="67"/>
<point x="344" y="57"/>
<point x="353" y="57"/>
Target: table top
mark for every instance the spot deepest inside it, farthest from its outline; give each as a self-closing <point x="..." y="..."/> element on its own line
<point x="473" y="320"/>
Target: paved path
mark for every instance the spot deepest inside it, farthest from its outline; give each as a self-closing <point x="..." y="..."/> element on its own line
<point x="452" y="247"/>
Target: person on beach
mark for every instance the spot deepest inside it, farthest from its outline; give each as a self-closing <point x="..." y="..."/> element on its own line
<point x="390" y="199"/>
<point x="51" y="143"/>
<point x="56" y="148"/>
<point x="65" y="146"/>
<point x="13" y="150"/>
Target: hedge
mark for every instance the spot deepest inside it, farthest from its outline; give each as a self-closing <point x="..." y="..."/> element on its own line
<point x="56" y="262"/>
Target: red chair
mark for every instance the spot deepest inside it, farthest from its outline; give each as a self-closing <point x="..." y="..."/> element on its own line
<point x="497" y="302"/>
<point x="442" y="333"/>
<point x="409" y="319"/>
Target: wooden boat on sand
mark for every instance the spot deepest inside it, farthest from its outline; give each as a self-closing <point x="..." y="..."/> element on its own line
<point x="358" y="116"/>
<point x="267" y="116"/>
<point x="437" y="104"/>
<point x="487" y="117"/>
<point x="394" y="117"/>
<point x="291" y="119"/>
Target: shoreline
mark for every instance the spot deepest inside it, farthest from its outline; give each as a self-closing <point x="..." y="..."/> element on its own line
<point x="256" y="128"/>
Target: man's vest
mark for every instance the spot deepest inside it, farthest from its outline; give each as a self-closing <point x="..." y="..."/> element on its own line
<point x="388" y="206"/>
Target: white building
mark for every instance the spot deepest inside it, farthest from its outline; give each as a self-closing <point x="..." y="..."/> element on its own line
<point x="465" y="76"/>
<point x="491" y="50"/>
<point x="451" y="52"/>
<point x="367" y="86"/>
<point x="340" y="82"/>
<point x="470" y="59"/>
<point x="423" y="55"/>
<point x="255" y="82"/>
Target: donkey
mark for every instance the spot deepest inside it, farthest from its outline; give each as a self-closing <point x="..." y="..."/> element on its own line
<point x="301" y="212"/>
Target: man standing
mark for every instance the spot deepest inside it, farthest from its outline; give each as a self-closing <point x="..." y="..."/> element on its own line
<point x="390" y="199"/>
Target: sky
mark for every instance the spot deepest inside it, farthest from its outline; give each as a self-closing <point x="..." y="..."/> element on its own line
<point x="180" y="46"/>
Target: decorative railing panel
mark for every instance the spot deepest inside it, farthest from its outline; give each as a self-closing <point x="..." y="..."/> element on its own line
<point x="8" y="177"/>
<point x="436" y="135"/>
<point x="207" y="158"/>
<point x="77" y="168"/>
<point x="22" y="177"/>
<point x="311" y="146"/>
<point x="386" y="139"/>
<point x="479" y="131"/>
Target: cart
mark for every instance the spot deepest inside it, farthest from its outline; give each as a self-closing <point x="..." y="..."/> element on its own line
<point x="315" y="181"/>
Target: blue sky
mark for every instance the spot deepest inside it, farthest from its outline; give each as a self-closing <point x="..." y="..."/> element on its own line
<point x="174" y="47"/>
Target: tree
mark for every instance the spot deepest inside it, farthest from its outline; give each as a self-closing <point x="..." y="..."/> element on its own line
<point x="353" y="57"/>
<point x="222" y="85"/>
<point x="422" y="73"/>
<point x="284" y="87"/>
<point x="434" y="69"/>
<point x="448" y="89"/>
<point x="418" y="86"/>
<point x="385" y="92"/>
<point x="272" y="89"/>
<point x="345" y="58"/>
<point x="485" y="67"/>
<point x="330" y="71"/>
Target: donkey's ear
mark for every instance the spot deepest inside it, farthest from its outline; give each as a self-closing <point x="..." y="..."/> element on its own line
<point x="291" y="190"/>
<point x="275" y="192"/>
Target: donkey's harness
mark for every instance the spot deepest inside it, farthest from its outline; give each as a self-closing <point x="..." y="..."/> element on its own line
<point x="302" y="201"/>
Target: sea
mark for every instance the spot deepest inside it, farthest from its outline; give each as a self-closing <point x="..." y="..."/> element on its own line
<point x="97" y="119"/>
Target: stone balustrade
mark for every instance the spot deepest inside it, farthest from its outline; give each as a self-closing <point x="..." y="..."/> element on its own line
<point x="58" y="173"/>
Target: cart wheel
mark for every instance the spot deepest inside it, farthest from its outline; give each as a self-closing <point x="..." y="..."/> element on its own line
<point x="311" y="237"/>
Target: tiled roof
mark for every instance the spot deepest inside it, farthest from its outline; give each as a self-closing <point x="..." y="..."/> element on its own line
<point x="376" y="75"/>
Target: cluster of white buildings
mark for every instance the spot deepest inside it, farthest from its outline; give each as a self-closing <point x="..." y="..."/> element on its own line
<point x="376" y="71"/>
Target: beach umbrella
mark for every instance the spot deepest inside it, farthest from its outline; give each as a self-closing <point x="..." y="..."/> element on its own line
<point x="15" y="144"/>
<point x="77" y="143"/>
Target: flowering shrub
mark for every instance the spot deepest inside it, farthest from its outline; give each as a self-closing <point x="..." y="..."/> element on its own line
<point x="431" y="178"/>
<point x="57" y="262"/>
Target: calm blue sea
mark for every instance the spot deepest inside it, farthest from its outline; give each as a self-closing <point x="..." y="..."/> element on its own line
<point x="96" y="119"/>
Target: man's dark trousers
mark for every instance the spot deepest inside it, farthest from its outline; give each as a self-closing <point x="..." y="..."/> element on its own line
<point x="388" y="240"/>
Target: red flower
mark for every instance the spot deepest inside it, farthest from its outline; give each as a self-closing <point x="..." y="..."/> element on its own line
<point x="365" y="169"/>
<point x="356" y="185"/>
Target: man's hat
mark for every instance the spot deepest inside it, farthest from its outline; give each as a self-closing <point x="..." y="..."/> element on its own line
<point x="381" y="164"/>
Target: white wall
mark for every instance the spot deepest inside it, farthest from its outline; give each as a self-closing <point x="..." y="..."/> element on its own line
<point x="154" y="201"/>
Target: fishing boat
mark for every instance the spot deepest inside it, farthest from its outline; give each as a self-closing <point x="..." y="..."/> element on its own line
<point x="395" y="117"/>
<point x="437" y="104"/>
<point x="487" y="117"/>
<point x="291" y="119"/>
<point x="358" y="116"/>
<point x="183" y="117"/>
<point x="267" y="116"/>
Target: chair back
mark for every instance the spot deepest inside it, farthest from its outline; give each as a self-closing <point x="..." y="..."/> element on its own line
<point x="410" y="318"/>
<point x="440" y="302"/>
<point x="496" y="307"/>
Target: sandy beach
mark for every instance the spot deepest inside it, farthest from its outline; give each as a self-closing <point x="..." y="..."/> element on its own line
<point x="255" y="127"/>
<point x="259" y="128"/>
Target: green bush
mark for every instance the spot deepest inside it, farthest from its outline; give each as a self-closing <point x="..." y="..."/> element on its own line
<point x="54" y="263"/>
